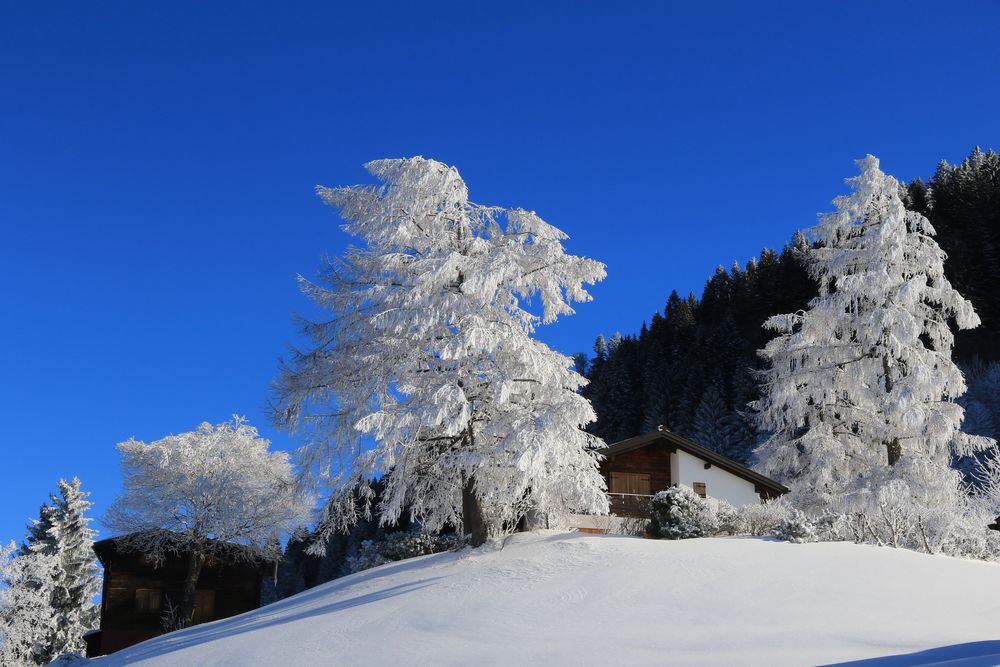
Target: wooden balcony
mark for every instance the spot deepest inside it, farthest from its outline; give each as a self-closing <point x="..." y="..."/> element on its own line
<point x="629" y="504"/>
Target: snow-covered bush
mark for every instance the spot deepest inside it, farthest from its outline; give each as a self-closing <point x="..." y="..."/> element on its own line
<point x="954" y="524"/>
<point x="679" y="513"/>
<point x="796" y="527"/>
<point x="727" y="518"/>
<point x="760" y="519"/>
<point x="398" y="546"/>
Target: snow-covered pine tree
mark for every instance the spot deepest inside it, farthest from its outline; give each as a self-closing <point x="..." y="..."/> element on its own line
<point x="427" y="373"/>
<point x="38" y="536"/>
<point x="861" y="385"/>
<point x="79" y="580"/>
<point x="62" y="531"/>
<point x="27" y="619"/>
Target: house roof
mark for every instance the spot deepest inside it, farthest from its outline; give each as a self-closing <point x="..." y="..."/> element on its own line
<point x="175" y="544"/>
<point x="675" y="441"/>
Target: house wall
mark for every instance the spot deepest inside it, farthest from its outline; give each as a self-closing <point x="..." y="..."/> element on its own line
<point x="653" y="460"/>
<point x="236" y="590"/>
<point x="687" y="469"/>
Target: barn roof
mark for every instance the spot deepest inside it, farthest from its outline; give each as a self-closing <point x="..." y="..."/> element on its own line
<point x="674" y="441"/>
<point x="175" y="545"/>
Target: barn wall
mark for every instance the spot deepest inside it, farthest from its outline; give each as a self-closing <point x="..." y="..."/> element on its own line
<point x="688" y="469"/>
<point x="236" y="590"/>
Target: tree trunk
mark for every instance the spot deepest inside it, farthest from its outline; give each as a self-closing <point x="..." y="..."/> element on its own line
<point x="894" y="450"/>
<point x="195" y="562"/>
<point x="473" y="521"/>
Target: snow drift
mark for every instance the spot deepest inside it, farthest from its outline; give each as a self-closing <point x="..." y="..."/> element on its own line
<point x="560" y="599"/>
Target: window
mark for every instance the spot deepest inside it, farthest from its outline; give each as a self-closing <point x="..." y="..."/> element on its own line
<point x="699" y="488"/>
<point x="634" y="483"/>
<point x="204" y="605"/>
<point x="147" y="600"/>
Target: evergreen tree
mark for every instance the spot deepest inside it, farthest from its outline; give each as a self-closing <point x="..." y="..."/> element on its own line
<point x="709" y="429"/>
<point x="861" y="385"/>
<point x="739" y="423"/>
<point x="27" y="619"/>
<point x="964" y="208"/>
<point x="62" y="531"/>
<point x="655" y="378"/>
<point x="38" y="536"/>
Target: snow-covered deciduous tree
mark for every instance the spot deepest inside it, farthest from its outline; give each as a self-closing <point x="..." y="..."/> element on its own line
<point x="861" y="387"/>
<point x="197" y="494"/>
<point x="62" y="531"/>
<point x="27" y="619"/>
<point x="426" y="371"/>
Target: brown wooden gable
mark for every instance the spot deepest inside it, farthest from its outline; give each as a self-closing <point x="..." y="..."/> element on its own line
<point x="652" y="460"/>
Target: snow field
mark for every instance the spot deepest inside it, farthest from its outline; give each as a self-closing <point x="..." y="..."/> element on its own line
<point x="562" y="599"/>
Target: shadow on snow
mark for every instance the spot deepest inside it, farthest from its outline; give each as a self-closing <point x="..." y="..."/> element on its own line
<point x="971" y="654"/>
<point x="289" y="610"/>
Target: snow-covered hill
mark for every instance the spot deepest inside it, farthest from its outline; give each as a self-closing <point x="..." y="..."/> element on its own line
<point x="571" y="599"/>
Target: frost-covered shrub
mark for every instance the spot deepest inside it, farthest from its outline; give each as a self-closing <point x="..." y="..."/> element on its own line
<point x="679" y="513"/>
<point x="796" y="527"/>
<point x="761" y="519"/>
<point x="398" y="546"/>
<point x="830" y="527"/>
<point x="727" y="518"/>
<point x="950" y="523"/>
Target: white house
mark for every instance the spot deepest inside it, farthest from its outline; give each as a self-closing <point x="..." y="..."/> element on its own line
<point x="637" y="468"/>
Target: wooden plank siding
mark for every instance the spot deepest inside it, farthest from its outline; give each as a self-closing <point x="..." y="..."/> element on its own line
<point x="653" y="462"/>
<point x="136" y="592"/>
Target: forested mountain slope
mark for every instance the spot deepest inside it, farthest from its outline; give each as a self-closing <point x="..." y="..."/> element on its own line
<point x="692" y="367"/>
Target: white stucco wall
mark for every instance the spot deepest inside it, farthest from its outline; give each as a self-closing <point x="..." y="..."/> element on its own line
<point x="687" y="469"/>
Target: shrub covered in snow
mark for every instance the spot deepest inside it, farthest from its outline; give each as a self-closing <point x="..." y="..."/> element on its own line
<point x="727" y="518"/>
<point x="796" y="527"/>
<point x="894" y="516"/>
<point x="678" y="513"/>
<point x="398" y="546"/>
<point x="762" y="519"/>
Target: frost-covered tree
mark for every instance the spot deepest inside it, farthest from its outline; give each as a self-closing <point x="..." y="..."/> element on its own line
<point x="426" y="372"/>
<point x="62" y="531"/>
<point x="198" y="493"/>
<point x="27" y="619"/>
<point x="38" y="531"/>
<point x="861" y="386"/>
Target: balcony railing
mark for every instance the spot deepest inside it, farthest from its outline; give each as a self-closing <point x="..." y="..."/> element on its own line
<point x="629" y="504"/>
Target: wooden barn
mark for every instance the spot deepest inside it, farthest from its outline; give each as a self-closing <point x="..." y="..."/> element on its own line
<point x="637" y="468"/>
<point x="137" y="591"/>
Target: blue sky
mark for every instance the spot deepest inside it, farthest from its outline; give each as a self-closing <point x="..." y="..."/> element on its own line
<point x="157" y="164"/>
